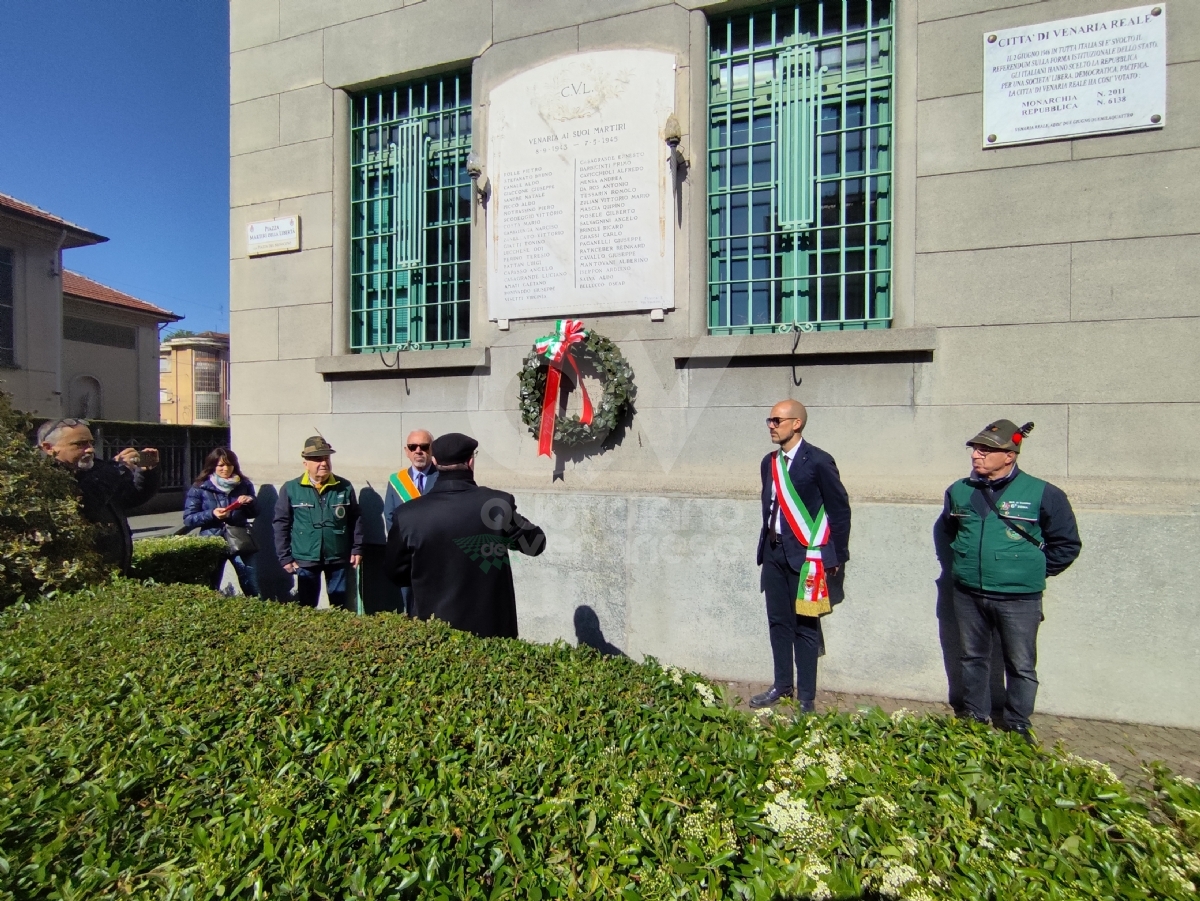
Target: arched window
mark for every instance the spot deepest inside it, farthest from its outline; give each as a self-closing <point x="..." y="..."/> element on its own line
<point x="84" y="400"/>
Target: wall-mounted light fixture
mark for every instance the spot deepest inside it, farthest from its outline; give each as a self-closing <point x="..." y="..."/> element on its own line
<point x="478" y="179"/>
<point x="673" y="135"/>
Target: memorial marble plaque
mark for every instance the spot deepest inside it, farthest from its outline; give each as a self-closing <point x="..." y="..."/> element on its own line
<point x="581" y="217"/>
<point x="1084" y="76"/>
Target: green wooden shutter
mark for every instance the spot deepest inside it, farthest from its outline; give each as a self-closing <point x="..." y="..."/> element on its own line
<point x="411" y="162"/>
<point x="410" y="204"/>
<point x="800" y="167"/>
<point x="797" y="97"/>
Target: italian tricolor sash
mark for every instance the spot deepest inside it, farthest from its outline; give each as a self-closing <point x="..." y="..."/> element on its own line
<point x="812" y="593"/>
<point x="404" y="485"/>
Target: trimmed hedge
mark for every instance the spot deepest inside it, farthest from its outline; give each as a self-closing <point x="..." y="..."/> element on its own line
<point x="177" y="559"/>
<point x="166" y="742"/>
<point x="45" y="543"/>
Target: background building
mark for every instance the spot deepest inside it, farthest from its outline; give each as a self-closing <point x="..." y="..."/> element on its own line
<point x="943" y="285"/>
<point x="31" y="308"/>
<point x="194" y="379"/>
<point x="109" y="366"/>
<point x="70" y="346"/>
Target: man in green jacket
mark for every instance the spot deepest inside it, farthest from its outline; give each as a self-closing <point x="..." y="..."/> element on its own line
<point x="1008" y="531"/>
<point x="318" y="528"/>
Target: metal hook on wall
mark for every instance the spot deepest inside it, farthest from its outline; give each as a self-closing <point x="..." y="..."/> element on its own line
<point x="799" y="328"/>
<point x="395" y="364"/>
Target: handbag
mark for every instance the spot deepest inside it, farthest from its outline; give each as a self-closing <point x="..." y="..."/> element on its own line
<point x="241" y="542"/>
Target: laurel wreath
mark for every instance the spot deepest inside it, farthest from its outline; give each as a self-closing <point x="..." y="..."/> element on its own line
<point x="619" y="391"/>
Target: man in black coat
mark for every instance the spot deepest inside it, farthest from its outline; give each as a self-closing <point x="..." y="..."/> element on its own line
<point x="794" y="622"/>
<point x="107" y="487"/>
<point x="451" y="546"/>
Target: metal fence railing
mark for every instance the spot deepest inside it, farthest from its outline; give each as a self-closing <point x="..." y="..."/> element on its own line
<point x="181" y="448"/>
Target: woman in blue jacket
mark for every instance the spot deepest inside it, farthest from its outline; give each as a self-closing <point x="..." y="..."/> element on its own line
<point x="213" y="503"/>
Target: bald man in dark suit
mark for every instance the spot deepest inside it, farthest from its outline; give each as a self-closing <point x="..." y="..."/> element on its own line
<point x="792" y="617"/>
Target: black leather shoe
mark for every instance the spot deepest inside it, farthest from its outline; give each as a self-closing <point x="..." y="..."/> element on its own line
<point x="1026" y="734"/>
<point x="808" y="706"/>
<point x="771" y="697"/>
<point x="972" y="718"/>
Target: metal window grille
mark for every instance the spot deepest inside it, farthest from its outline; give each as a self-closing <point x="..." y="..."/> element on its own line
<point x="181" y="449"/>
<point x="206" y="376"/>
<point x="800" y="167"/>
<point x="7" y="356"/>
<point x="209" y="407"/>
<point x="108" y="334"/>
<point x="411" y="216"/>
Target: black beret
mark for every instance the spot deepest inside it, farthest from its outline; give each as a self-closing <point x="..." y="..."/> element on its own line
<point x="454" y="447"/>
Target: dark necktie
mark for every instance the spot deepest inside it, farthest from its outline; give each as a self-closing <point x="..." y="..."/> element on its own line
<point x="775" y="505"/>
<point x="421" y="482"/>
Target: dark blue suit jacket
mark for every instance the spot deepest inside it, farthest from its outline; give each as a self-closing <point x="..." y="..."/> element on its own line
<point x="815" y="477"/>
<point x="391" y="500"/>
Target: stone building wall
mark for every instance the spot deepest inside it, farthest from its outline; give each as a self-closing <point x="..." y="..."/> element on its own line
<point x="34" y="383"/>
<point x="1050" y="282"/>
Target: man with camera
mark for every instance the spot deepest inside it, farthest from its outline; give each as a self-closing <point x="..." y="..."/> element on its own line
<point x="108" y="488"/>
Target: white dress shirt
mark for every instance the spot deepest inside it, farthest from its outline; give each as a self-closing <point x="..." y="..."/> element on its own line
<point x="780" y="525"/>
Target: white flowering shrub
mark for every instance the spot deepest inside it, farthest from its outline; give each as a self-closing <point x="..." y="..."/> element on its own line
<point x="875" y="806"/>
<point x="920" y="808"/>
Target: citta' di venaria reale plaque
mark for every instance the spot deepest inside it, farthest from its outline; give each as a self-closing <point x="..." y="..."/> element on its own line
<point x="580" y="219"/>
<point x="1089" y="75"/>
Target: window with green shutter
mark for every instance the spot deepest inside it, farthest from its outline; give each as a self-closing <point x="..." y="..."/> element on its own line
<point x="800" y="167"/>
<point x="411" y="216"/>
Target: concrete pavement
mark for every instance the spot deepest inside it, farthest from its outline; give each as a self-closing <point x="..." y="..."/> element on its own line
<point x="156" y="525"/>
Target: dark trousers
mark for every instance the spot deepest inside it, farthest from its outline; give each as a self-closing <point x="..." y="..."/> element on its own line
<point x="1017" y="620"/>
<point x="793" y="637"/>
<point x="246" y="576"/>
<point x="308" y="584"/>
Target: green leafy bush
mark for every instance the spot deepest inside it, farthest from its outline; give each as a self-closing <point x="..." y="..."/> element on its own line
<point x="177" y="559"/>
<point x="45" y="543"/>
<point x="1180" y="798"/>
<point x="165" y="742"/>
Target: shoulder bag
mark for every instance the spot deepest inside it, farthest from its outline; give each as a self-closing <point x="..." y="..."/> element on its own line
<point x="241" y="542"/>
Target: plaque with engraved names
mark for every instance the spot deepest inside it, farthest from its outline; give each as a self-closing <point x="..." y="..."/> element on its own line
<point x="1089" y="75"/>
<point x="581" y="217"/>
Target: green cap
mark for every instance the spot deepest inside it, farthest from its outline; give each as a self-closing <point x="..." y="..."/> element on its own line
<point x="316" y="446"/>
<point x="1003" y="434"/>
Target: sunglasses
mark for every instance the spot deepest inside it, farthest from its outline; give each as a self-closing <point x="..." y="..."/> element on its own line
<point x="417" y="447"/>
<point x="773" y="421"/>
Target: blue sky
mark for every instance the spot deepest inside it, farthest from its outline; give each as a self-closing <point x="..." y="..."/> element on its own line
<point x="115" y="115"/>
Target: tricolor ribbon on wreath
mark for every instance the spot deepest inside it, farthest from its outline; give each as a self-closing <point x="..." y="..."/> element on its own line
<point x="557" y="348"/>
<point x="812" y="593"/>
